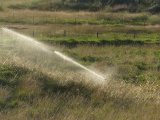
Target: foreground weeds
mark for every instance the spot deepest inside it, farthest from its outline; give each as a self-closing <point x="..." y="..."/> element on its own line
<point x="35" y="84"/>
<point x="32" y="93"/>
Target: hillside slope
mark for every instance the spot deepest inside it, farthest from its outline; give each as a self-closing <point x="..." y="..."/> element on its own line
<point x="31" y="94"/>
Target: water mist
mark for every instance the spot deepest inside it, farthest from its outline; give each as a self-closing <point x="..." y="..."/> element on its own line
<point x="29" y="52"/>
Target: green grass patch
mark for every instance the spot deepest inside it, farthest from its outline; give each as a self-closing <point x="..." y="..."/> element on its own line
<point x="73" y="42"/>
<point x="142" y="36"/>
<point x="75" y="21"/>
<point x="117" y="23"/>
<point x="39" y="95"/>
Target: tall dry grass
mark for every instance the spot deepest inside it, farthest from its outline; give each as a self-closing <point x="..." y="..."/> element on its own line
<point x="45" y="91"/>
<point x="80" y="100"/>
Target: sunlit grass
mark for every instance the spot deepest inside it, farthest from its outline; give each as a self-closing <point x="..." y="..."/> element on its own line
<point x="37" y="85"/>
<point x="42" y="86"/>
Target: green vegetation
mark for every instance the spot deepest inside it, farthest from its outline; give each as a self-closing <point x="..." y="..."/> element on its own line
<point x="133" y="62"/>
<point x="91" y="5"/>
<point x="33" y="85"/>
<point x="18" y="6"/>
<point x="33" y="94"/>
<point x="137" y="20"/>
<point x="118" y="39"/>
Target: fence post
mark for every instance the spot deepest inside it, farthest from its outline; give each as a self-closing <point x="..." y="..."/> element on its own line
<point x="64" y="33"/>
<point x="134" y="34"/>
<point x="97" y="34"/>
<point x="75" y="21"/>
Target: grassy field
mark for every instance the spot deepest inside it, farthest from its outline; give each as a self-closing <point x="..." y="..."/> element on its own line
<point x="34" y="84"/>
<point x="83" y="26"/>
<point x="132" y="90"/>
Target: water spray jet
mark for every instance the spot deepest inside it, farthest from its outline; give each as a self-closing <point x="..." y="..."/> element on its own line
<point x="78" y="64"/>
<point x="28" y="41"/>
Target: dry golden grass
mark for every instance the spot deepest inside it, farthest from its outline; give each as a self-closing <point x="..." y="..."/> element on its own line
<point x="28" y="14"/>
<point x="48" y="92"/>
<point x="114" y="100"/>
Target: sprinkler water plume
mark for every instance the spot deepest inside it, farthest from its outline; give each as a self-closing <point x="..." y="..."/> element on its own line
<point x="78" y="64"/>
<point x="33" y="49"/>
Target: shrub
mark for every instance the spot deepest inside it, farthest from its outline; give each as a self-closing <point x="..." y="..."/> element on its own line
<point x="95" y="6"/>
<point x="17" y="6"/>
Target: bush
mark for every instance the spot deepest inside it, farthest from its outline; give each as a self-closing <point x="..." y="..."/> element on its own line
<point x="95" y="6"/>
<point x="17" y="6"/>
